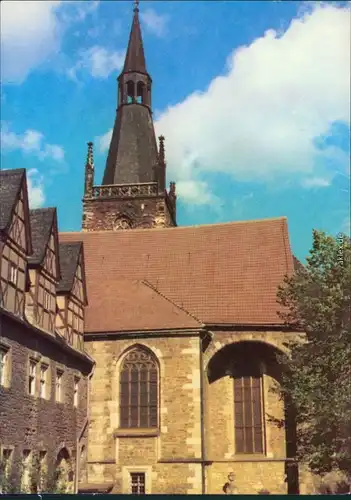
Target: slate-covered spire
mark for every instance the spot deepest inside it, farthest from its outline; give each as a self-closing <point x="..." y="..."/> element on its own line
<point x="132" y="157"/>
<point x="135" y="58"/>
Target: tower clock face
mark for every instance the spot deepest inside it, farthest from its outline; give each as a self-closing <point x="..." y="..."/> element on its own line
<point x="121" y="223"/>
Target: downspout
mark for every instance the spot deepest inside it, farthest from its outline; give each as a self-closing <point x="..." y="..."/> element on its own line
<point x="80" y="435"/>
<point x="202" y="423"/>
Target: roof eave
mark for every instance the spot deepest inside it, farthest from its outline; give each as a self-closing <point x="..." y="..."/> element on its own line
<point x="153" y="332"/>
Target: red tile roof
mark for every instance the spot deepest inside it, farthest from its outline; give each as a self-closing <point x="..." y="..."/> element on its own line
<point x="146" y="279"/>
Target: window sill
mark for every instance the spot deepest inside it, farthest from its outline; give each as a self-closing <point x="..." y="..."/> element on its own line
<point x="153" y="432"/>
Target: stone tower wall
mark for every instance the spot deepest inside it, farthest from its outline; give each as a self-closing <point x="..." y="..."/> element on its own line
<point x="113" y="214"/>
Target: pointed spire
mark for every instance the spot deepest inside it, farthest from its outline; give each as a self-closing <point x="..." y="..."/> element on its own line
<point x="135" y="58"/>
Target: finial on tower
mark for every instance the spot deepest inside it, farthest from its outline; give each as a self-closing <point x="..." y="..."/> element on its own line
<point x="90" y="155"/>
<point x="161" y="151"/>
<point x="136" y="6"/>
<point x="89" y="172"/>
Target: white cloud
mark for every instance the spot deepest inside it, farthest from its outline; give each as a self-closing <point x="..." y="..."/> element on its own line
<point x="98" y="61"/>
<point x="196" y="193"/>
<point x="30" y="142"/>
<point x="155" y="23"/>
<point x="32" y="31"/>
<point x="315" y="182"/>
<point x="78" y="10"/>
<point x="36" y="193"/>
<point x="104" y="141"/>
<point x="259" y="121"/>
<point x="29" y="34"/>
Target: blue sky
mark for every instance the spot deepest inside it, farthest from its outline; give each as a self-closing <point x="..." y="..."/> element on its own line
<point x="253" y="98"/>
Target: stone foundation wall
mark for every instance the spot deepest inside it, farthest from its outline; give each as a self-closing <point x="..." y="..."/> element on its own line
<point x="250" y="477"/>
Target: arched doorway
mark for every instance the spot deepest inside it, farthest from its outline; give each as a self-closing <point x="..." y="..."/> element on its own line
<point x="64" y="476"/>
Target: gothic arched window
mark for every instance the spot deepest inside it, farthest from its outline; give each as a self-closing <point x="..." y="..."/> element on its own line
<point x="248" y="409"/>
<point x="139" y="390"/>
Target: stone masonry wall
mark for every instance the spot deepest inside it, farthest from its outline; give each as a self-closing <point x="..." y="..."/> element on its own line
<point x="252" y="472"/>
<point x="162" y="454"/>
<point x="104" y="214"/>
<point x="171" y="458"/>
<point x="32" y="423"/>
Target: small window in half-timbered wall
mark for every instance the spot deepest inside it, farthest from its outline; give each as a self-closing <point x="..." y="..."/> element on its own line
<point x="13" y="274"/>
<point x="75" y="325"/>
<point x="46" y="300"/>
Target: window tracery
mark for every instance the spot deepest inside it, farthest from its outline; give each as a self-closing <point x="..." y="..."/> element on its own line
<point x="139" y="390"/>
<point x="122" y="223"/>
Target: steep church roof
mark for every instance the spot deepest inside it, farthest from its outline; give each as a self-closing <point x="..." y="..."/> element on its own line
<point x="213" y="274"/>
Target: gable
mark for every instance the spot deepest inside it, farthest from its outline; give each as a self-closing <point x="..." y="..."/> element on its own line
<point x="72" y="270"/>
<point x="45" y="241"/>
<point x="50" y="261"/>
<point x="19" y="227"/>
<point x="15" y="210"/>
<point x="78" y="289"/>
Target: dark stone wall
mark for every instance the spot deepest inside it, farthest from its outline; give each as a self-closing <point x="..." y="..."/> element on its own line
<point x="100" y="214"/>
<point x="30" y="422"/>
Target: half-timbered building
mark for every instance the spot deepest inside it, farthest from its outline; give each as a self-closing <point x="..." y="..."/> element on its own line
<point x="44" y="369"/>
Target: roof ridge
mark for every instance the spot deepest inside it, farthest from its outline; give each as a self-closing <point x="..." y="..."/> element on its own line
<point x="43" y="209"/>
<point x="178" y="228"/>
<point x="150" y="285"/>
<point x="70" y="243"/>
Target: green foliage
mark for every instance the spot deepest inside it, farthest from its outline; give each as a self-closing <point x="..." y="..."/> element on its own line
<point x="42" y="481"/>
<point x="317" y="379"/>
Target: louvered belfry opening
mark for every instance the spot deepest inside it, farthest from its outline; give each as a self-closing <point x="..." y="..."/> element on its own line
<point x="139" y="390"/>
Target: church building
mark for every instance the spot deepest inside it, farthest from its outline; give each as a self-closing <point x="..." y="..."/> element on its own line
<point x="182" y="323"/>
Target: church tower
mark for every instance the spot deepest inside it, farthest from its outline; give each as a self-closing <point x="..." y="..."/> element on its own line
<point x="133" y="193"/>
